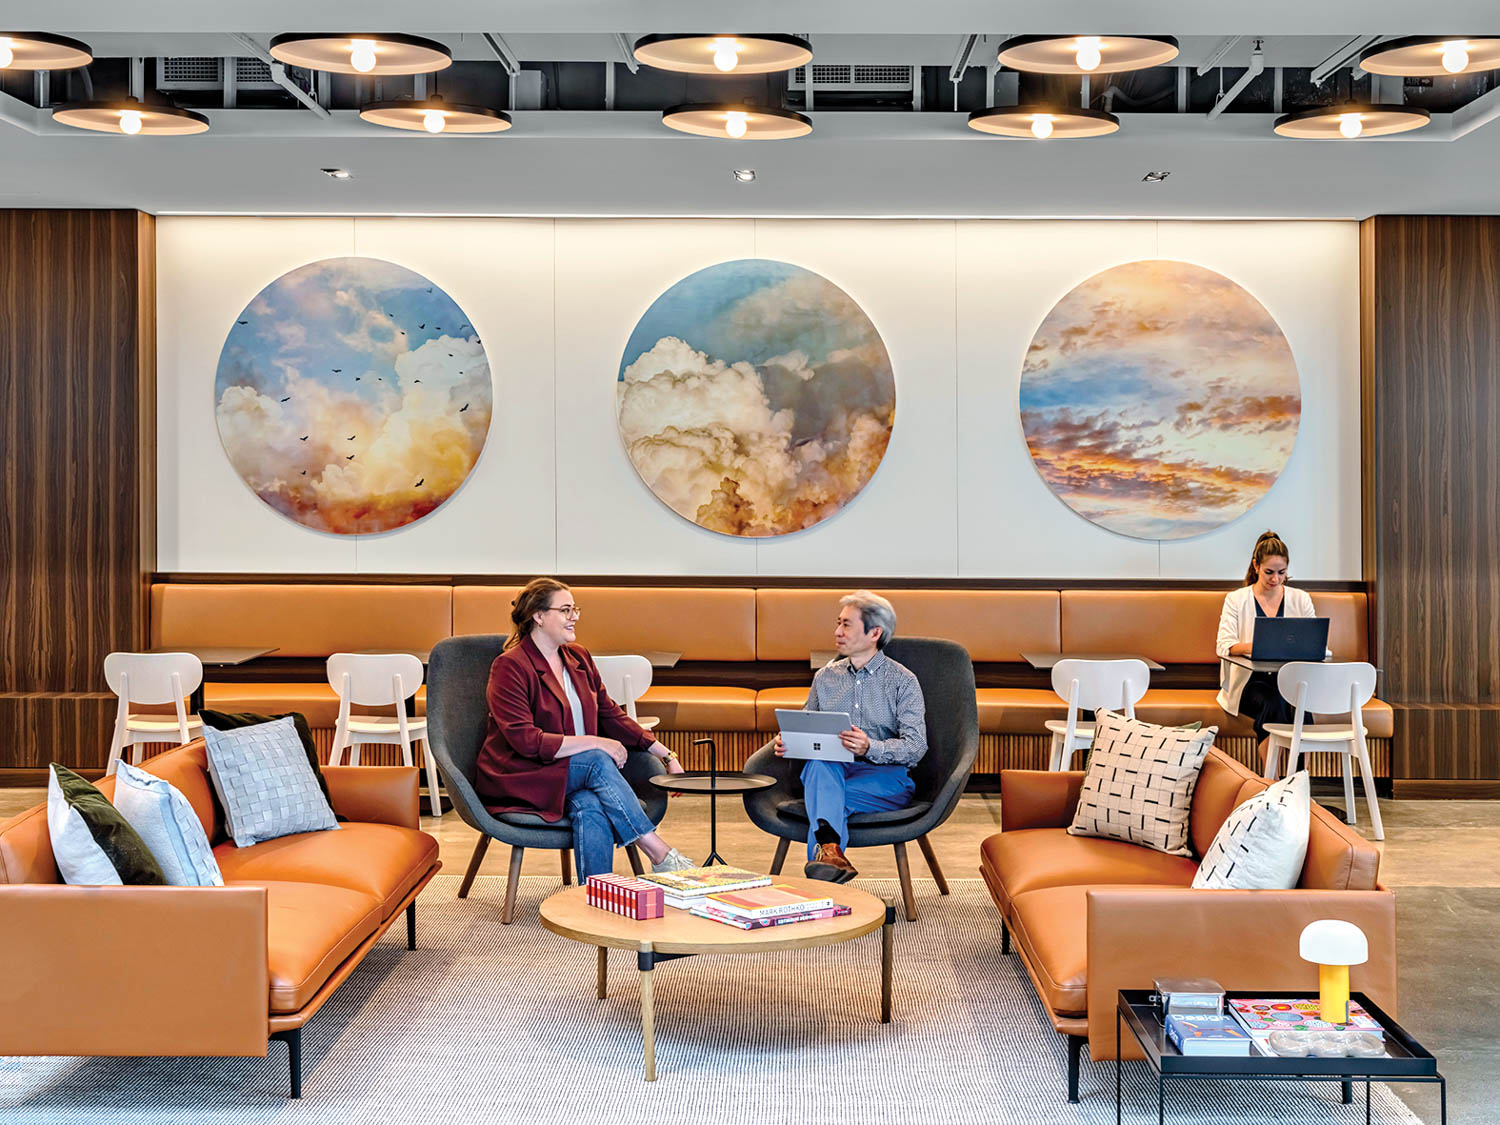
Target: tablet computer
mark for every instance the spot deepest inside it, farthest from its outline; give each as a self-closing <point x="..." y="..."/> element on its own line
<point x="815" y="734"/>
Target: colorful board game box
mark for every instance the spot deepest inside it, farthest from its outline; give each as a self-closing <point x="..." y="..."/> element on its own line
<point x="621" y="894"/>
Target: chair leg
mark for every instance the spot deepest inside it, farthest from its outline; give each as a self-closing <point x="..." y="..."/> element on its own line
<point x="293" y="1039"/>
<point x="932" y="864"/>
<point x="567" y="866"/>
<point x="1350" y="816"/>
<point x="633" y="854"/>
<point x="1054" y="760"/>
<point x="903" y="868"/>
<point x="411" y="925"/>
<point x="353" y="753"/>
<point x="512" y="884"/>
<point x="480" y="847"/>
<point x="1368" y="773"/>
<point x="434" y="788"/>
<point x="780" y="858"/>
<point x="1273" y="758"/>
<point x="1004" y="939"/>
<point x="1076" y="1044"/>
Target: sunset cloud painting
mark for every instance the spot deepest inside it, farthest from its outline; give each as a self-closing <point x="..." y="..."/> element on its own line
<point x="353" y="396"/>
<point x="1159" y="400"/>
<point x="755" y="398"/>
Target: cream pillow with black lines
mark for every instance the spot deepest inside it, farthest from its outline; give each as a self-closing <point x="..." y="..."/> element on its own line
<point x="1262" y="844"/>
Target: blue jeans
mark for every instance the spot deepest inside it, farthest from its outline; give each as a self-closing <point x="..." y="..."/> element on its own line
<point x="604" y="810"/>
<point x="833" y="790"/>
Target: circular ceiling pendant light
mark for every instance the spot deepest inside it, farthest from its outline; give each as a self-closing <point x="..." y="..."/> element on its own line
<point x="132" y="118"/>
<point x="1421" y="56"/>
<point x="1350" y="121"/>
<point x="723" y="54"/>
<point x="361" y="53"/>
<point x="435" y="116"/>
<point x="1039" y="123"/>
<point x="36" y="50"/>
<point x="737" y="122"/>
<point x="1085" y="54"/>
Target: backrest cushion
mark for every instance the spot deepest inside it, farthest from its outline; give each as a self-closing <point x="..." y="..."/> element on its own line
<point x="701" y="623"/>
<point x="310" y="620"/>
<point x="946" y="675"/>
<point x="264" y="783"/>
<point x="1170" y="626"/>
<point x="995" y="626"/>
<point x="1348" y="627"/>
<point x="1219" y="784"/>
<point x="187" y="769"/>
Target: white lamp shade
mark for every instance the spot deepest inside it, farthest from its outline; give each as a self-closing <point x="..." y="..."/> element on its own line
<point x="1332" y="942"/>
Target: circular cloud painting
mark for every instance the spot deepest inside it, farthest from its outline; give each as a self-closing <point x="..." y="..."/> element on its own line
<point x="1159" y="400"/>
<point x="353" y="395"/>
<point x="755" y="398"/>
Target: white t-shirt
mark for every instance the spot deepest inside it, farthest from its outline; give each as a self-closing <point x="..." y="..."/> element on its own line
<point x="572" y="693"/>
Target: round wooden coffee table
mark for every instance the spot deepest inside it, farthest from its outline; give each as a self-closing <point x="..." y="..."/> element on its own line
<point x="680" y="934"/>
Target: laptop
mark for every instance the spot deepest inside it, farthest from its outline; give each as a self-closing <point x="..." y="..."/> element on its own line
<point x="815" y="734"/>
<point x="1289" y="638"/>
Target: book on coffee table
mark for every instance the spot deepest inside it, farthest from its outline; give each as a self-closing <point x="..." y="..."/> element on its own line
<point x="692" y="883"/>
<point x="766" y="902"/>
<point x="764" y="923"/>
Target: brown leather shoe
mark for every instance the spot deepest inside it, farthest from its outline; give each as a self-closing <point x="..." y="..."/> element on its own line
<point x="831" y="864"/>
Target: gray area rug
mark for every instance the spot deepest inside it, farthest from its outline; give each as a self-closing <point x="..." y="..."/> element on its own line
<point x="486" y="1022"/>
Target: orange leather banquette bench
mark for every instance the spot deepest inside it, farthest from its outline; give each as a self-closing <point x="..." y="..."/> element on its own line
<point x="745" y="651"/>
<point x="1090" y="917"/>
<point x="213" y="970"/>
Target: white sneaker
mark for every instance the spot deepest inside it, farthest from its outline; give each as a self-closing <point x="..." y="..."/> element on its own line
<point x="674" y="860"/>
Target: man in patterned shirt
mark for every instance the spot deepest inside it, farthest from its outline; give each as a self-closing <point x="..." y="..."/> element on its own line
<point x="887" y="733"/>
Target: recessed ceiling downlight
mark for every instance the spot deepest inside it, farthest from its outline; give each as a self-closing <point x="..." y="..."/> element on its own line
<point x="737" y="122"/>
<point x="37" y="50"/>
<point x="1040" y="123"/>
<point x="361" y="52"/>
<point x="131" y="118"/>
<point x="723" y="54"/>
<point x="1085" y="54"/>
<point x="1350" y="121"/>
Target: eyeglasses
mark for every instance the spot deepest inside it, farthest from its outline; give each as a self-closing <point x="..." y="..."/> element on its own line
<point x="570" y="612"/>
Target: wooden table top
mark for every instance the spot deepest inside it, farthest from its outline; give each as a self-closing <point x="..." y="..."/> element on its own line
<point x="1046" y="661"/>
<point x="568" y="914"/>
<point x="223" y="656"/>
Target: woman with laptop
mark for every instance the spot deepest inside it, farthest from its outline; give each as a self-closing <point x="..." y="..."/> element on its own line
<point x="1264" y="594"/>
<point x="555" y="741"/>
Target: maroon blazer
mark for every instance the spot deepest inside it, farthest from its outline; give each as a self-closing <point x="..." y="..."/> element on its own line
<point x="518" y="768"/>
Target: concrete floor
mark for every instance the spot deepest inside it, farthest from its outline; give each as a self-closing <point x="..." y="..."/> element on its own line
<point x="1441" y="857"/>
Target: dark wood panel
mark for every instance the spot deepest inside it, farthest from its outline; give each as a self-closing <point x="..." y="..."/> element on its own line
<point x="77" y="481"/>
<point x="45" y="727"/>
<point x="1430" y="386"/>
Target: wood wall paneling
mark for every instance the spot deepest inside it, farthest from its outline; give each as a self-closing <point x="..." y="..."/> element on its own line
<point x="1431" y="413"/>
<point x="77" y="480"/>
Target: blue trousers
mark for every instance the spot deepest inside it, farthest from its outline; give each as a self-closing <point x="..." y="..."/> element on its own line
<point x="604" y="810"/>
<point x="833" y="790"/>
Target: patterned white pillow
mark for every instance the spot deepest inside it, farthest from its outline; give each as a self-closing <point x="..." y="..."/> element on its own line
<point x="166" y="821"/>
<point x="1140" y="783"/>
<point x="265" y="783"/>
<point x="1262" y="844"/>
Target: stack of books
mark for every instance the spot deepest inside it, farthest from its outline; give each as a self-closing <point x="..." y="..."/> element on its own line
<point x="741" y="898"/>
<point x="686" y="888"/>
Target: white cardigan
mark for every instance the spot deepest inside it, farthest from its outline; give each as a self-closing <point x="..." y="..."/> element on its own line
<point x="1236" y="624"/>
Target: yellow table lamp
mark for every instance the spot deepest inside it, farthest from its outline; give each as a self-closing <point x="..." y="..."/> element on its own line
<point x="1333" y="946"/>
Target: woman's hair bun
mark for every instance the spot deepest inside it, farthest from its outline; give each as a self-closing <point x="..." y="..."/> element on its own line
<point x="1264" y="535"/>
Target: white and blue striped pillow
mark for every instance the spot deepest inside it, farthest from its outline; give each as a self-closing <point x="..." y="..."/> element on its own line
<point x="165" y="820"/>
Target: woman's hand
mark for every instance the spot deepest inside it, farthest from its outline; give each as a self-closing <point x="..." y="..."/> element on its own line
<point x="614" y="748"/>
<point x="674" y="766"/>
<point x="1241" y="649"/>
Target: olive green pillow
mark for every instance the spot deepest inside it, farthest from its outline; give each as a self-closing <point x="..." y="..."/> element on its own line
<point x="92" y="843"/>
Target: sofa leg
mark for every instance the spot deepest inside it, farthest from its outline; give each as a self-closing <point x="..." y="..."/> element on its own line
<point x="780" y="858"/>
<point x="1076" y="1044"/>
<point x="293" y="1041"/>
<point x="633" y="854"/>
<point x="567" y="866"/>
<point x="903" y="868"/>
<point x="932" y="864"/>
<point x="512" y="883"/>
<point x="480" y="847"/>
<point x="1004" y="938"/>
<point x="411" y="925"/>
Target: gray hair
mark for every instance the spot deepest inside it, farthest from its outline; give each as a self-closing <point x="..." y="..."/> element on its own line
<point x="874" y="612"/>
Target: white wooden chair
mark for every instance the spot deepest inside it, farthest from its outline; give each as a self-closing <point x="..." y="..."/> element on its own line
<point x="1329" y="689"/>
<point x="152" y="678"/>
<point x="626" y="678"/>
<point x="380" y="680"/>
<point x="1088" y="685"/>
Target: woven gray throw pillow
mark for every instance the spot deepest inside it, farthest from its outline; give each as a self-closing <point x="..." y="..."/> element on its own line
<point x="1140" y="783"/>
<point x="264" y="782"/>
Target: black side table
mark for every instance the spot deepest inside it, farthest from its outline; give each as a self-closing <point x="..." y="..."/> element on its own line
<point x="1405" y="1059"/>
<point x="712" y="782"/>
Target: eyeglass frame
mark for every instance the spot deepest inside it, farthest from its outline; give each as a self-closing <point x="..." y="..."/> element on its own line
<point x="569" y="612"/>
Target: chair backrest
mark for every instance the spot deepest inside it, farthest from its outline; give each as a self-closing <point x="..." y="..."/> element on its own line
<point x="371" y="678"/>
<point x="625" y="678"/>
<point x="458" y="676"/>
<point x="1332" y="689"/>
<point x="148" y="677"/>
<point x="946" y="674"/>
<point x="1088" y="685"/>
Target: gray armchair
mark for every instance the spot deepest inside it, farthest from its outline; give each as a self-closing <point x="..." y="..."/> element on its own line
<point x="458" y="673"/>
<point x="946" y="674"/>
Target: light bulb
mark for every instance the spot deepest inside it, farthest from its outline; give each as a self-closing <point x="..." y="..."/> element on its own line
<point x="726" y="54"/>
<point x="7" y="56"/>
<point x="1350" y="125"/>
<point x="1455" y="56"/>
<point x="130" y="121"/>
<point x="735" y="124"/>
<point x="1088" y="52"/>
<point x="362" y="55"/>
<point x="1041" y="126"/>
<point x="434" y="121"/>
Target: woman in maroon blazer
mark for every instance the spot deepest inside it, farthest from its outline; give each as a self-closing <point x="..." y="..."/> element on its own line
<point x="555" y="741"/>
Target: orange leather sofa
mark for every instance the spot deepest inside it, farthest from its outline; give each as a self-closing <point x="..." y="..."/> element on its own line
<point x="1090" y="917"/>
<point x="214" y="970"/>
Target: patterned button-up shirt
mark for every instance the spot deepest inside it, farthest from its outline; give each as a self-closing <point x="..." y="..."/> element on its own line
<point x="883" y="699"/>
